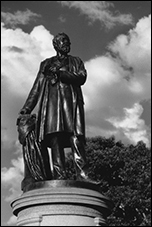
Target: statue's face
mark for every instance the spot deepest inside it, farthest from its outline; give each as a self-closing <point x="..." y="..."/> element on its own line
<point x="63" y="45"/>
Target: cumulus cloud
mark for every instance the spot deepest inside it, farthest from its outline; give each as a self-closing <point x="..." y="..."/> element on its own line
<point x="117" y="83"/>
<point x="132" y="48"/>
<point x="21" y="56"/>
<point x="11" y="178"/>
<point x="132" y="126"/>
<point x="19" y="17"/>
<point x="101" y="11"/>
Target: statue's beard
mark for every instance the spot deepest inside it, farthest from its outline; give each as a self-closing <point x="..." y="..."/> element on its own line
<point x="64" y="49"/>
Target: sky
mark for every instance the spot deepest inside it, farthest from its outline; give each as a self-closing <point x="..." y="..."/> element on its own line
<point x="113" y="39"/>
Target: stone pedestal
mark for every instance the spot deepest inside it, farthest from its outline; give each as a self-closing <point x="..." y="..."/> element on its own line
<point x="61" y="203"/>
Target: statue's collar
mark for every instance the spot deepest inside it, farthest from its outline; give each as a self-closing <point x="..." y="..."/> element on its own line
<point x="63" y="60"/>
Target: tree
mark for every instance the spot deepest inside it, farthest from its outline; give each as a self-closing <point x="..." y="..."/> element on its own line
<point x="124" y="173"/>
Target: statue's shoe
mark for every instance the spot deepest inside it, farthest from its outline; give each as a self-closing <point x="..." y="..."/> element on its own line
<point x="86" y="178"/>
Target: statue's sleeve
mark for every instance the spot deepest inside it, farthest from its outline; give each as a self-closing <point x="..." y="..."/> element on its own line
<point x="34" y="93"/>
<point x="77" y="75"/>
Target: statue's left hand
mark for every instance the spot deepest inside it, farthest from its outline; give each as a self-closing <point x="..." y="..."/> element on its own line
<point x="18" y="119"/>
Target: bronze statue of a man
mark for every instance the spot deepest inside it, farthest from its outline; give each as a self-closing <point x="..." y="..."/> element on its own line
<point x="60" y="118"/>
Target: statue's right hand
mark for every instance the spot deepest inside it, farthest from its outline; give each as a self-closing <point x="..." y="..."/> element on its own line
<point x="53" y="69"/>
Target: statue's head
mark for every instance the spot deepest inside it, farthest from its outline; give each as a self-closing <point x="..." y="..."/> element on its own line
<point x="61" y="43"/>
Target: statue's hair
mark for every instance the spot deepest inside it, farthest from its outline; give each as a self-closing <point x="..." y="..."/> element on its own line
<point x="58" y="37"/>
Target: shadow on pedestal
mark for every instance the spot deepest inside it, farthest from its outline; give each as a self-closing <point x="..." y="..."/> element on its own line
<point x="62" y="203"/>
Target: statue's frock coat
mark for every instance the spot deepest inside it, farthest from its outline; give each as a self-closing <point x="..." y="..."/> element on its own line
<point x="60" y="106"/>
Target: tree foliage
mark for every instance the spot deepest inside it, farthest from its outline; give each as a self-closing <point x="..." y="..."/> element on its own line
<point x="124" y="173"/>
